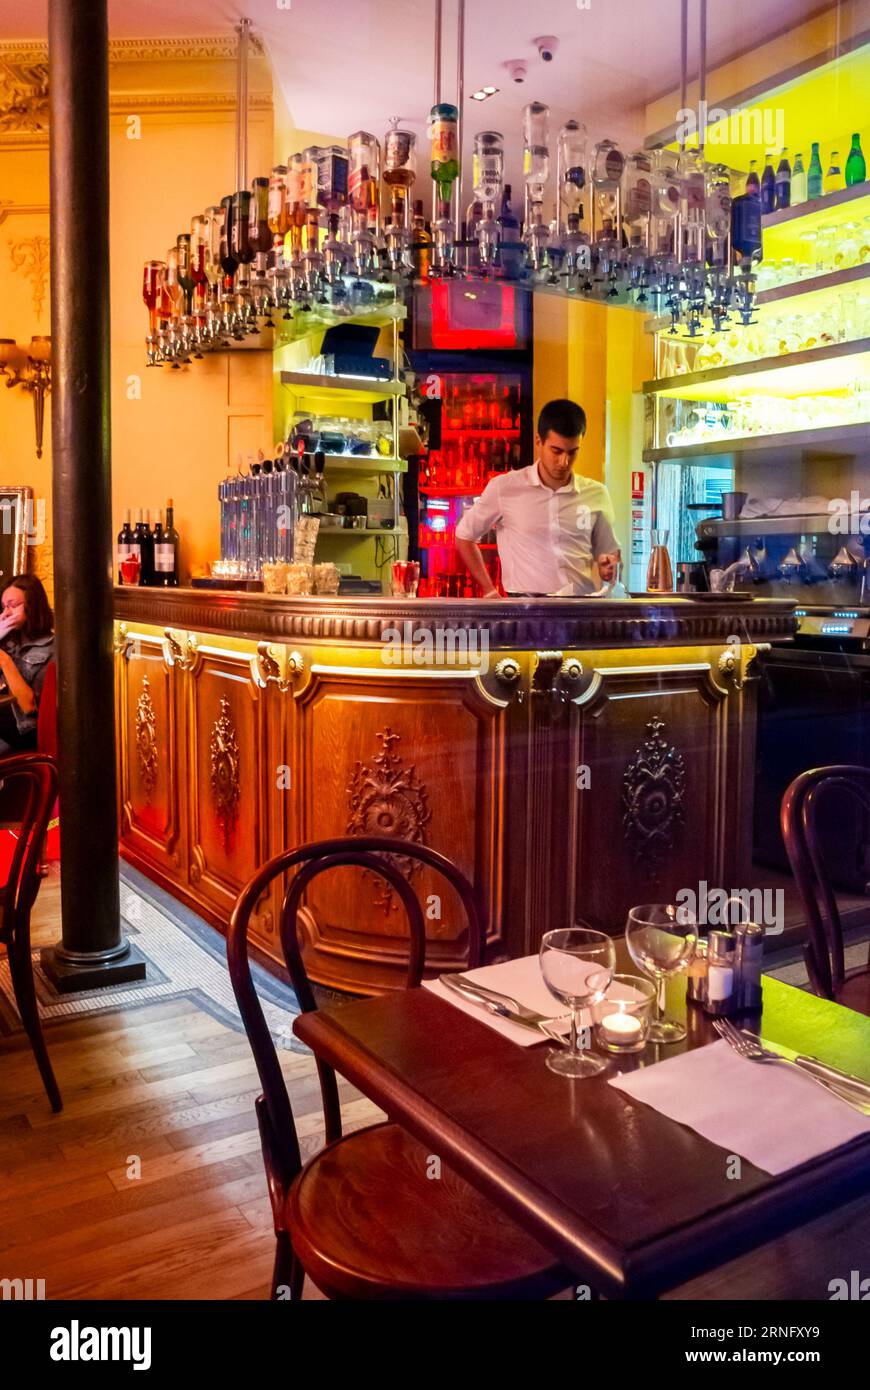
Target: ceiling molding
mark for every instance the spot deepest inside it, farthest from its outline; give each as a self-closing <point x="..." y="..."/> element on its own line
<point x="219" y="48"/>
<point x="8" y="209"/>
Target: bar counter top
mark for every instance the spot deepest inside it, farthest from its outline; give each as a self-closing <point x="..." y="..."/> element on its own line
<point x="511" y="624"/>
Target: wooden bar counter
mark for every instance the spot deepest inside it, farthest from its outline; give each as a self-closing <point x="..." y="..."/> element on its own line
<point x="574" y="757"/>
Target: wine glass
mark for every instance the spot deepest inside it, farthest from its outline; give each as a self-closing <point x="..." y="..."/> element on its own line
<point x="661" y="940"/>
<point x="577" y="965"/>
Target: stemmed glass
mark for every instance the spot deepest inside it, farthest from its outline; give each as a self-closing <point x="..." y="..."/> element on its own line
<point x="661" y="940"/>
<point x="577" y="965"/>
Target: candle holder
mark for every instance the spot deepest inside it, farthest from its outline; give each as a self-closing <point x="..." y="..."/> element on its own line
<point x="622" y="1018"/>
<point x="29" y="367"/>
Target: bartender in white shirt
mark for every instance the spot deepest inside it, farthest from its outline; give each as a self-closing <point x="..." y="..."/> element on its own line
<point x="550" y="523"/>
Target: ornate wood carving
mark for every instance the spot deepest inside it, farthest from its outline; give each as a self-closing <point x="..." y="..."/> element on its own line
<point x="387" y="798"/>
<point x="146" y="740"/>
<point x="23" y="96"/>
<point x="653" y="791"/>
<point x="224" y="760"/>
<point x="546" y="623"/>
<point x="30" y="255"/>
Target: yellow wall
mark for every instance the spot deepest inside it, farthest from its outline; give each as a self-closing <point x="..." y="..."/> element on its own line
<point x="599" y="357"/>
<point x="173" y="432"/>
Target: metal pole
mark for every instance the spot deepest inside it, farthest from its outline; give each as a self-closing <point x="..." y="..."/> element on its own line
<point x="93" y="951"/>
<point x="684" y="63"/>
<point x="436" y="98"/>
<point x="460" y="99"/>
<point x="702" y="77"/>
<point x="242" y="102"/>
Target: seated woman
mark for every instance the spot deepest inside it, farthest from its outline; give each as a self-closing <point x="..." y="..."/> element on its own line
<point x="26" y="648"/>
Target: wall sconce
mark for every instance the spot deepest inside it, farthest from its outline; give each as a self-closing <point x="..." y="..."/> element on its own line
<point x="29" y="367"/>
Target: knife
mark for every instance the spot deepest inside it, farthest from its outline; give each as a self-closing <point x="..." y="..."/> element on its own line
<point x="500" y="1004"/>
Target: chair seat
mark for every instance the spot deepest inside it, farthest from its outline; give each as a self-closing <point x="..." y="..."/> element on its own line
<point x="854" y="992"/>
<point x="367" y="1223"/>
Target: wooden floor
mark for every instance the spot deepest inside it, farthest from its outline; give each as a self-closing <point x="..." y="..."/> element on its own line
<point x="169" y="1085"/>
<point x="172" y="1087"/>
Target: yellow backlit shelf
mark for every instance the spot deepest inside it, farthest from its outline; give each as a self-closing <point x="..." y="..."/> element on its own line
<point x="836" y="441"/>
<point x="815" y="289"/>
<point x="820" y="209"/>
<point x="323" y="316"/>
<point x="362" y="390"/>
<point x="365" y="463"/>
<point x="811" y="372"/>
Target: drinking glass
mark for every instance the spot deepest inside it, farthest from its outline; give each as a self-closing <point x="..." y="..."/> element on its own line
<point x="661" y="940"/>
<point x="577" y="965"/>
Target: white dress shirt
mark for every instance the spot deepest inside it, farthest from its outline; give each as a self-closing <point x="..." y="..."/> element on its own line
<point x="547" y="540"/>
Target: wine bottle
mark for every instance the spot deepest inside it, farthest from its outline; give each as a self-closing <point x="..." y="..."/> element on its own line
<point x="146" y="547"/>
<point x="125" y="544"/>
<point x="856" y="165"/>
<point x="166" y="550"/>
<point x="814" y="174"/>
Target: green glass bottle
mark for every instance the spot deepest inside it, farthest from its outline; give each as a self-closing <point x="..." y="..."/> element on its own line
<point x="443" y="132"/>
<point x="814" y="174"/>
<point x="856" y="165"/>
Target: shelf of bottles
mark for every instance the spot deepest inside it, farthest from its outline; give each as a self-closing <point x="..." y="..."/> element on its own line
<point x="338" y="231"/>
<point x="481" y="428"/>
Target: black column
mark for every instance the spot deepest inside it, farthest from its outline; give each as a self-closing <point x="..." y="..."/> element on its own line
<point x="93" y="950"/>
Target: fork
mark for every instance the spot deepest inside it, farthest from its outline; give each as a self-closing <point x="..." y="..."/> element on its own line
<point x="754" y="1052"/>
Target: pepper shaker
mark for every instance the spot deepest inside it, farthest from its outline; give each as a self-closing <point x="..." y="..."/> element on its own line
<point x="748" y="953"/>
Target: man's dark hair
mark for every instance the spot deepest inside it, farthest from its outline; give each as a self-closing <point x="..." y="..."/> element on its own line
<point x="562" y="417"/>
<point x="38" y="617"/>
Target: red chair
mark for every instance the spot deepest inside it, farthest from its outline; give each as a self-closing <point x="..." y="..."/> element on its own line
<point x="823" y="951"/>
<point x="361" y="1218"/>
<point x="35" y="776"/>
<point x="46" y="742"/>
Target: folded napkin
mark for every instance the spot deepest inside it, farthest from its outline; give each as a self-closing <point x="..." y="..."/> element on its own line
<point x="769" y="1114"/>
<point x="523" y="981"/>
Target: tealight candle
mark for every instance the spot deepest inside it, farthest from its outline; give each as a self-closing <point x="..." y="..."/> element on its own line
<point x="621" y="1028"/>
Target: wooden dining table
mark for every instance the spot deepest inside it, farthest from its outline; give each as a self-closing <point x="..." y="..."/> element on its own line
<point x="632" y="1202"/>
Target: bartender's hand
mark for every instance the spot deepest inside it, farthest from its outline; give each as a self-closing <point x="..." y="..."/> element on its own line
<point x="607" y="566"/>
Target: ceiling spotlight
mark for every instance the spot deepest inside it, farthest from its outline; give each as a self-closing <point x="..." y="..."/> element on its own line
<point x="483" y="93"/>
<point x="490" y="91"/>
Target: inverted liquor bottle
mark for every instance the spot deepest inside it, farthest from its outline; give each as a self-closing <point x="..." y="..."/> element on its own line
<point x="536" y="173"/>
<point x="637" y="212"/>
<point x="185" y="278"/>
<point x="488" y="179"/>
<point x="608" y="163"/>
<point x="400" y="173"/>
<point x="151" y="292"/>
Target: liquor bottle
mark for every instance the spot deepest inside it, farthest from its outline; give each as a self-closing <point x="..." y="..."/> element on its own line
<point x="814" y="174"/>
<point x="145" y="541"/>
<point x="420" y="246"/>
<point x="443" y="129"/>
<point x="166" y="566"/>
<point x="185" y="278"/>
<point x="768" y="185"/>
<point x="125" y="544"/>
<point x="783" y="180"/>
<point x="746" y="226"/>
<point x="798" y="181"/>
<point x="753" y="183"/>
<point x="856" y="165"/>
<point x="834" y="178"/>
<point x="511" y="247"/>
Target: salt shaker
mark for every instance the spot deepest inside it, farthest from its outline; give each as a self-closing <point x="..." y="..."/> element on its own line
<point x="748" y="954"/>
<point x="721" y="997"/>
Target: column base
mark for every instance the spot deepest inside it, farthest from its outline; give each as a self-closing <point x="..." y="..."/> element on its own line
<point x="71" y="972"/>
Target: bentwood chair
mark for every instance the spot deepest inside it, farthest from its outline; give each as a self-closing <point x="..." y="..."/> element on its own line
<point x="361" y="1218"/>
<point x="29" y="780"/>
<point x="823" y="951"/>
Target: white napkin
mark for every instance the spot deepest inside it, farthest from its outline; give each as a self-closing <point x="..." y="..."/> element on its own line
<point x="768" y="1114"/>
<point x="523" y="981"/>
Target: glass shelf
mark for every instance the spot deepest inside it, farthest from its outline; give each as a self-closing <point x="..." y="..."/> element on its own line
<point x="350" y="388"/>
<point x="812" y="371"/>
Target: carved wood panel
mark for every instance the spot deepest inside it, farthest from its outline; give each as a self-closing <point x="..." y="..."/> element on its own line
<point x="226" y="793"/>
<point x="421" y="757"/>
<point x="148" y="752"/>
<point x="650" y="755"/>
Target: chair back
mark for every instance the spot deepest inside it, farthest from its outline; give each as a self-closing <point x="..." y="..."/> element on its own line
<point x="30" y="780"/>
<point x="46" y="719"/>
<point x="823" y="950"/>
<point x="378" y="855"/>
